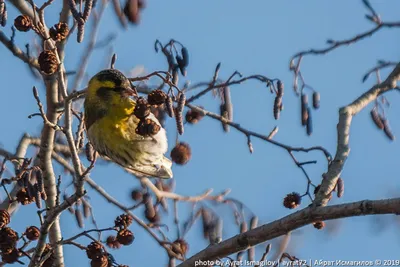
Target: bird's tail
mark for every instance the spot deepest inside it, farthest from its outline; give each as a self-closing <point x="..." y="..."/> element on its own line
<point x="162" y="170"/>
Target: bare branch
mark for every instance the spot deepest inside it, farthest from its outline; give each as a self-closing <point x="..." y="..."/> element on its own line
<point x="346" y="115"/>
<point x="18" y="52"/>
<point x="291" y="222"/>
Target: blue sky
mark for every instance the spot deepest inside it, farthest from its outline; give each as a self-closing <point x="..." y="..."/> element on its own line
<point x="257" y="37"/>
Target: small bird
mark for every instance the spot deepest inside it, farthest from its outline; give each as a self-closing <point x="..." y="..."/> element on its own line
<point x="111" y="127"/>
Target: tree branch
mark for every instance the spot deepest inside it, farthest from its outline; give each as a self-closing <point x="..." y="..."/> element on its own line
<point x="291" y="222"/>
<point x="18" y="52"/>
<point x="343" y="132"/>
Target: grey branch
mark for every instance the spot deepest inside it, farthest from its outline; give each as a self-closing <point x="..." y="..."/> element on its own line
<point x="17" y="51"/>
<point x="291" y="222"/>
<point x="343" y="132"/>
<point x="45" y="157"/>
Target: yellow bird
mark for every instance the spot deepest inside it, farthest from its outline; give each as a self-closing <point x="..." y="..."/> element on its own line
<point x="111" y="126"/>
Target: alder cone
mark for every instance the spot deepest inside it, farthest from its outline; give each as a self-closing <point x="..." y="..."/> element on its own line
<point x="4" y="218"/>
<point x="319" y="225"/>
<point x="10" y="257"/>
<point x="59" y="31"/>
<point x="181" y="247"/>
<point x="123" y="220"/>
<point x="142" y="108"/>
<point x="181" y="153"/>
<point x="48" y="62"/>
<point x="136" y="194"/>
<point x="157" y="97"/>
<point x="23" y="197"/>
<point x="94" y="250"/>
<point x="193" y="116"/>
<point x="125" y="237"/>
<point x="101" y="261"/>
<point x="112" y="242"/>
<point x="23" y="23"/>
<point x="32" y="233"/>
<point x="147" y="127"/>
<point x="292" y="200"/>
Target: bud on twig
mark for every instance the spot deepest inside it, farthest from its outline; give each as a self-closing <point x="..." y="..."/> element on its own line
<point x="309" y="122"/>
<point x="316" y="100"/>
<point x="175" y="75"/>
<point x="79" y="217"/>
<point x="215" y="235"/>
<point x="179" y="111"/>
<point x="253" y="222"/>
<point x="280" y="86"/>
<point x="304" y="109"/>
<point x="376" y="118"/>
<point x="185" y="57"/>
<point x="38" y="199"/>
<point x="387" y="130"/>
<point x="81" y="32"/>
<point x="206" y="221"/>
<point x="86" y="208"/>
<point x="3" y="13"/>
<point x="250" y="145"/>
<point x="277" y="106"/>
<point x="340" y="187"/>
<point x="39" y="179"/>
<point x="169" y="107"/>
<point x="89" y="151"/>
<point x="224" y="114"/>
<point x="243" y="227"/>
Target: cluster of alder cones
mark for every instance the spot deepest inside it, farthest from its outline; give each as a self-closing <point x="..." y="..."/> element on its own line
<point x="181" y="153"/>
<point x="30" y="182"/>
<point x="48" y="61"/>
<point x="97" y="253"/>
<point x="157" y="98"/>
<point x="9" y="238"/>
<point x="293" y="200"/>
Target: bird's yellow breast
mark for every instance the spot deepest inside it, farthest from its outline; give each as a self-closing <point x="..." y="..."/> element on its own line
<point x="112" y="129"/>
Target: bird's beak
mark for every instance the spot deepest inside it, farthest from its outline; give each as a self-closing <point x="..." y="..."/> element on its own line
<point x="130" y="91"/>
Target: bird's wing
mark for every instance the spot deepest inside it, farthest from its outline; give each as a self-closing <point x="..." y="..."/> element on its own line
<point x="163" y="171"/>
